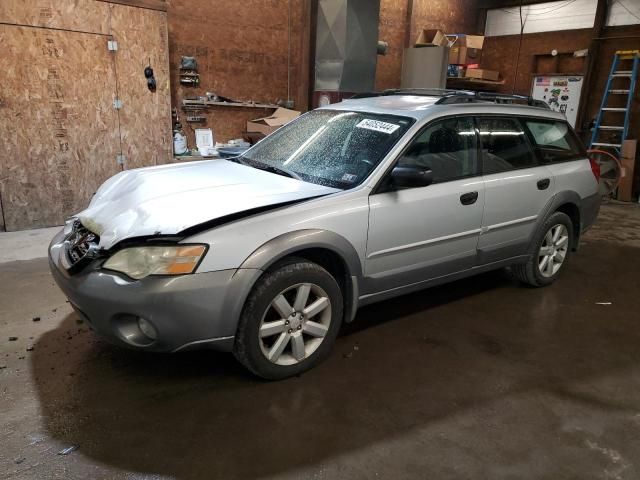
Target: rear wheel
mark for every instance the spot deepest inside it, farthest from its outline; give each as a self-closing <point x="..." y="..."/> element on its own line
<point x="290" y="320"/>
<point x="550" y="252"/>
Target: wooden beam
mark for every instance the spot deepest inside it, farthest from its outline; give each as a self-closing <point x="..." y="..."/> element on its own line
<point x="311" y="64"/>
<point x="160" y="5"/>
<point x="304" y="69"/>
<point x="408" y="24"/>
<point x="594" y="50"/>
<point x="481" y="22"/>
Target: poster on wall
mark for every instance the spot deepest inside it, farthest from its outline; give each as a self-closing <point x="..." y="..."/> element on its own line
<point x="561" y="93"/>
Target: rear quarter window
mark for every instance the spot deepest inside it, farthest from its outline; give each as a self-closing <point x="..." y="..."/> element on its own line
<point x="553" y="140"/>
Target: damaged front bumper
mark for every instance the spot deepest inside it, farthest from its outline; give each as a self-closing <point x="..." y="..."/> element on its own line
<point x="180" y="312"/>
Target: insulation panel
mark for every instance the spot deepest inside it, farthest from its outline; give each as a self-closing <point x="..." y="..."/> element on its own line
<point x="541" y="17"/>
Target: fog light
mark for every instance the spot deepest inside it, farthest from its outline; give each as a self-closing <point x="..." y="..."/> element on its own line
<point x="146" y="328"/>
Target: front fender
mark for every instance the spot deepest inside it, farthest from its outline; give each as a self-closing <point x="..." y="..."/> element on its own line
<point x="286" y="244"/>
<point x="289" y="243"/>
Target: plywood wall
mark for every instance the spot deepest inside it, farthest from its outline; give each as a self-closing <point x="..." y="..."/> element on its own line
<point x="145" y="117"/>
<point x="241" y="49"/>
<point x="60" y="142"/>
<point x="78" y="15"/>
<point x="57" y="119"/>
<point x="620" y="38"/>
<point x="450" y="16"/>
<point x="500" y="53"/>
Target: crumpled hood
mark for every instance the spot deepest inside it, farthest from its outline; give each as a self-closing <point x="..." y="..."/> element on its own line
<point x="170" y="198"/>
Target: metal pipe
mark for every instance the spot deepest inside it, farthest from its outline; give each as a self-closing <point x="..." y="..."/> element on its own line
<point x="622" y="37"/>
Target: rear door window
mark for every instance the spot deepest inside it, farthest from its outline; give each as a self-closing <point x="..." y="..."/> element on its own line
<point x="505" y="145"/>
<point x="554" y="141"/>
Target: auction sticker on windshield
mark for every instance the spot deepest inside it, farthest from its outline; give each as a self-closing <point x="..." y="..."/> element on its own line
<point x="378" y="126"/>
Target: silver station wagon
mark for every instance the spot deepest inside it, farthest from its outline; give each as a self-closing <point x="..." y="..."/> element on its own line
<point x="268" y="253"/>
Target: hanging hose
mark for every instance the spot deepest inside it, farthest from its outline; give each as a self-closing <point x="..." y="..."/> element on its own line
<point x="610" y="170"/>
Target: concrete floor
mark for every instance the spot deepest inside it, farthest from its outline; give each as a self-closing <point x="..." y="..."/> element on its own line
<point x="481" y="378"/>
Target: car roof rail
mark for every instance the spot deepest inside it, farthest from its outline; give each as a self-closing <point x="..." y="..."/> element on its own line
<point x="464" y="96"/>
<point x="424" y="92"/>
<point x="448" y="96"/>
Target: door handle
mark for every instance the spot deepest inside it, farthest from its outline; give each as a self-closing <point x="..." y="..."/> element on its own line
<point x="469" y="198"/>
<point x="543" y="184"/>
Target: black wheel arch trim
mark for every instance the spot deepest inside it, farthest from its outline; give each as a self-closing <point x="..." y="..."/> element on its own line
<point x="290" y="243"/>
<point x="558" y="200"/>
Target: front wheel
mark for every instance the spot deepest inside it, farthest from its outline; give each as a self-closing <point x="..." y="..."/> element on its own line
<point x="290" y="320"/>
<point x="550" y="253"/>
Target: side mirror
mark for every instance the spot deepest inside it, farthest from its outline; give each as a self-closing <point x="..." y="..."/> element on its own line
<point x="411" y="177"/>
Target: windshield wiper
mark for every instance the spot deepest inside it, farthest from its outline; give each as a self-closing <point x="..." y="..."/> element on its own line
<point x="277" y="170"/>
<point x="264" y="166"/>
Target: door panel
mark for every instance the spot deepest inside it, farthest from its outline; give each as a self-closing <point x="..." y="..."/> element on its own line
<point x="516" y="187"/>
<point x="58" y="123"/>
<point x="513" y="203"/>
<point x="422" y="233"/>
<point x="145" y="118"/>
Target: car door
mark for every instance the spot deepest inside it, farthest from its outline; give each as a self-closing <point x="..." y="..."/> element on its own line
<point x="517" y="188"/>
<point x="416" y="234"/>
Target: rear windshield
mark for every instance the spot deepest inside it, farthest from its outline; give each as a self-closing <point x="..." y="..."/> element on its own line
<point x="554" y="140"/>
<point x="330" y="147"/>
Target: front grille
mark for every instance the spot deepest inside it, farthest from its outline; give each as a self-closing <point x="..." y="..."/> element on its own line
<point x="80" y="244"/>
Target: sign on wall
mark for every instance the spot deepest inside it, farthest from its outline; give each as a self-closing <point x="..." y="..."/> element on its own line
<point x="560" y="92"/>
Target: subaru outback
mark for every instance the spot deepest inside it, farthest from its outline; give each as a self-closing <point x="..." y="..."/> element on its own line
<point x="268" y="253"/>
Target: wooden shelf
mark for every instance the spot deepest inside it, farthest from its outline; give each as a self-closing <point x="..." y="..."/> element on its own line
<point x="228" y="104"/>
<point x="470" y="83"/>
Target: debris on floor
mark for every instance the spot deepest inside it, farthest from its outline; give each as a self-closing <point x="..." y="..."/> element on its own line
<point x="13" y="339"/>
<point x="30" y="348"/>
<point x="19" y="460"/>
<point x="350" y="354"/>
<point x="36" y="319"/>
<point x="68" y="450"/>
<point x="603" y="303"/>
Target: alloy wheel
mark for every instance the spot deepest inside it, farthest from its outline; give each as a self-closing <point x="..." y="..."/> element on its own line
<point x="295" y="324"/>
<point x="553" y="250"/>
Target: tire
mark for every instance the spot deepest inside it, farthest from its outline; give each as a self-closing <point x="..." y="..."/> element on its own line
<point x="275" y="346"/>
<point x="536" y="272"/>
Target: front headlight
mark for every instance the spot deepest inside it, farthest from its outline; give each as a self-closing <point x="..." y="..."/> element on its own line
<point x="140" y="262"/>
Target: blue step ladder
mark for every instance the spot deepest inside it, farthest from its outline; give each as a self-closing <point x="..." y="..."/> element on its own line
<point x="629" y="76"/>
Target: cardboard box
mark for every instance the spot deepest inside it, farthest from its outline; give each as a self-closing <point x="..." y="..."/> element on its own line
<point x="254" y="137"/>
<point x="628" y="160"/>
<point x="431" y="37"/>
<point x="267" y="125"/>
<point x="465" y="49"/>
<point x="482" y="74"/>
